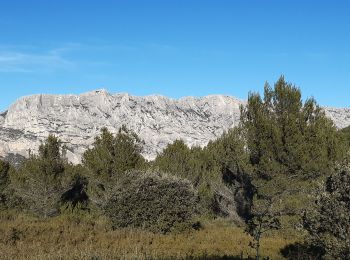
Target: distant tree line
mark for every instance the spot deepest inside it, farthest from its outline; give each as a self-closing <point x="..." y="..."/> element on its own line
<point x="284" y="167"/>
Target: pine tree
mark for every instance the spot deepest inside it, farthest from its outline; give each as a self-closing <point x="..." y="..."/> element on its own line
<point x="291" y="144"/>
<point x="108" y="160"/>
<point x="286" y="136"/>
<point x="175" y="159"/>
<point x="41" y="181"/>
<point x="113" y="155"/>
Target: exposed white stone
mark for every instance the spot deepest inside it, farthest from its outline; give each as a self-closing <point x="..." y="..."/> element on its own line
<point x="340" y="116"/>
<point x="158" y="120"/>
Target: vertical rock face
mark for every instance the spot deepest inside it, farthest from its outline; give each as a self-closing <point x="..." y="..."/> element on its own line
<point x="158" y="120"/>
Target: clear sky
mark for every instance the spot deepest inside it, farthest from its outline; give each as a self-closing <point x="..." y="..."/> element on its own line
<point x="174" y="47"/>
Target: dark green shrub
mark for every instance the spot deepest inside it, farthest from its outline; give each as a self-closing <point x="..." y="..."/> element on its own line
<point x="229" y="155"/>
<point x="4" y="169"/>
<point x="77" y="194"/>
<point x="300" y="251"/>
<point x="346" y="133"/>
<point x="220" y="173"/>
<point x="151" y="201"/>
<point x="328" y="222"/>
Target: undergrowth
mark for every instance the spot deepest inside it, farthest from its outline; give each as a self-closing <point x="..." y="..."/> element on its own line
<point x="76" y="235"/>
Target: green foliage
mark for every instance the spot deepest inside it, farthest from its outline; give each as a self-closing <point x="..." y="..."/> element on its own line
<point x="107" y="162"/>
<point x="302" y="251"/>
<point x="41" y="181"/>
<point x="4" y="169"/>
<point x="76" y="196"/>
<point x="51" y="156"/>
<point x="114" y="154"/>
<point x="151" y="201"/>
<point x="218" y="171"/>
<point x="229" y="152"/>
<point x="285" y="135"/>
<point x="291" y="144"/>
<point x="346" y="133"/>
<point x="328" y="221"/>
<point x="193" y="164"/>
<point x="175" y="159"/>
<point x="231" y="158"/>
<point x="262" y="172"/>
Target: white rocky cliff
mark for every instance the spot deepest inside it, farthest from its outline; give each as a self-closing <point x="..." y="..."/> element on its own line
<point x="340" y="116"/>
<point x="77" y="119"/>
<point x="158" y="120"/>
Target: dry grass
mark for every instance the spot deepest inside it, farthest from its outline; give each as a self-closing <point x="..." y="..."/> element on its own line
<point x="85" y="237"/>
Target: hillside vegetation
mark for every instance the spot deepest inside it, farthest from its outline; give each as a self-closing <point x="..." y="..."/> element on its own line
<point x="275" y="187"/>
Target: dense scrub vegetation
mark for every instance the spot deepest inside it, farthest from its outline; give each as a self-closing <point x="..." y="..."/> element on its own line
<point x="280" y="177"/>
<point x="328" y="222"/>
<point x="152" y="201"/>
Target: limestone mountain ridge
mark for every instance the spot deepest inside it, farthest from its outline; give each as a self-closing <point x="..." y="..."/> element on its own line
<point x="158" y="120"/>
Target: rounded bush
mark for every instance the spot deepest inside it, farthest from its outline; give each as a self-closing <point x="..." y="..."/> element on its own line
<point x="155" y="202"/>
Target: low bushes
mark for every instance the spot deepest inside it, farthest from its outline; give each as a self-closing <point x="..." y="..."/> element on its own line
<point x="152" y="201"/>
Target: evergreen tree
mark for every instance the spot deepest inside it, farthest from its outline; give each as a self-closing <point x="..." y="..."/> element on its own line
<point x="41" y="181"/>
<point x="113" y="155"/>
<point x="291" y="144"/>
<point x="175" y="159"/>
<point x="108" y="160"/>
<point x="286" y="136"/>
<point x="261" y="135"/>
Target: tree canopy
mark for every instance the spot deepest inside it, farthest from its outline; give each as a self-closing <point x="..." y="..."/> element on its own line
<point x="288" y="136"/>
<point x="114" y="154"/>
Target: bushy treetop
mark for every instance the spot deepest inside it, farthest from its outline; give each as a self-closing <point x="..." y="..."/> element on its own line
<point x="114" y="154"/>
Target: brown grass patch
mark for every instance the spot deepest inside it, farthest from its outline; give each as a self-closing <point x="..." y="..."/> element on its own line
<point x="73" y="236"/>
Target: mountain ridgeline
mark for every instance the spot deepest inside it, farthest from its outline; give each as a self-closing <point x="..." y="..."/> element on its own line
<point x="158" y="120"/>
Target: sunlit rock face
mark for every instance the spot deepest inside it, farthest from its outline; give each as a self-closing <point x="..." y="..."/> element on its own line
<point x="340" y="116"/>
<point x="158" y="120"/>
<point x="78" y="119"/>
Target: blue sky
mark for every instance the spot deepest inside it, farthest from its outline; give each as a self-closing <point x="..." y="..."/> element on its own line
<point x="174" y="47"/>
